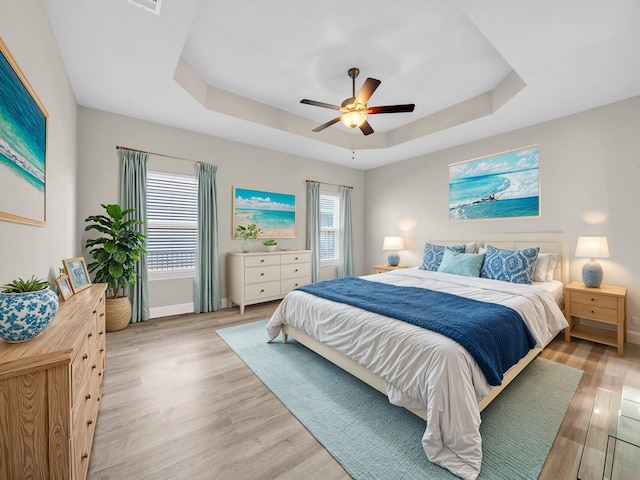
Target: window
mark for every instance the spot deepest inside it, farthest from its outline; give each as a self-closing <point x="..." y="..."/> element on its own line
<point x="329" y="227"/>
<point x="172" y="222"/>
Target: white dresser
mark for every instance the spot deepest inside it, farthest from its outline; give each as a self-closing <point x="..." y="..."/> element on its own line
<point x="265" y="276"/>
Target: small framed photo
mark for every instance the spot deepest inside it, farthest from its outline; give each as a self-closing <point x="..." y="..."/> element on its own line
<point x="64" y="287"/>
<point x="78" y="275"/>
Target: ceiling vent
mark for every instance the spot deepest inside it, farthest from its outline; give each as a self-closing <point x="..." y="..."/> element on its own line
<point x="152" y="6"/>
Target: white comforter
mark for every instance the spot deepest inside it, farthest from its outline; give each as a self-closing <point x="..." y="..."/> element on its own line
<point x="423" y="369"/>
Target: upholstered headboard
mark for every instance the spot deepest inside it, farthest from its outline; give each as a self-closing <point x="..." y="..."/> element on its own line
<point x="548" y="242"/>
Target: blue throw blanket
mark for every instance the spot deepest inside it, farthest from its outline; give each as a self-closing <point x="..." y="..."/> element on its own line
<point x="495" y="335"/>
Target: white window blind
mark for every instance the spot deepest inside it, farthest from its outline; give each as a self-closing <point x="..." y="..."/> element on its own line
<point x="329" y="227"/>
<point x="172" y="221"/>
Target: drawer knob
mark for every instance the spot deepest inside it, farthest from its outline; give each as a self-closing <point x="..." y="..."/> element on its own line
<point x="262" y="291"/>
<point x="84" y="455"/>
<point x="296" y="285"/>
<point x="593" y="299"/>
<point x="85" y="356"/>
<point x="262" y="261"/>
<point x="87" y="396"/>
<point x="100" y="332"/>
<point x="89" y="422"/>
<point x="101" y="350"/>
<point x="592" y="311"/>
<point x="94" y="366"/>
<point x="90" y="334"/>
<point x="296" y="258"/>
<point x="262" y="274"/>
<point x="296" y="270"/>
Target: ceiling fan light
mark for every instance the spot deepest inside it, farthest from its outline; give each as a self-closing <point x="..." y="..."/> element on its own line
<point x="353" y="119"/>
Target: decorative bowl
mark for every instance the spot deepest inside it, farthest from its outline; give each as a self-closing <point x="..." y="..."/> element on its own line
<point x="24" y="316"/>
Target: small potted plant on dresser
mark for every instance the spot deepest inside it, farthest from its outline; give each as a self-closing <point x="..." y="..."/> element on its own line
<point x="247" y="233"/>
<point x="270" y="245"/>
<point x="27" y="307"/>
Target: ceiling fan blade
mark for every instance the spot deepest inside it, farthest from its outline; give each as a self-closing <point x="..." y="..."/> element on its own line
<point x="367" y="90"/>
<point x="320" y="104"/>
<point x="391" y="109"/>
<point x="366" y="128"/>
<point x="328" y="124"/>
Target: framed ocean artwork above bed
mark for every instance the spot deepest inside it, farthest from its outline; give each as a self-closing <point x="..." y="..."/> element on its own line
<point x="23" y="146"/>
<point x="274" y="213"/>
<point x="505" y="185"/>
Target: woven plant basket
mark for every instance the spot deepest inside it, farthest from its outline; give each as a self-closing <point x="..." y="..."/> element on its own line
<point x="118" y="313"/>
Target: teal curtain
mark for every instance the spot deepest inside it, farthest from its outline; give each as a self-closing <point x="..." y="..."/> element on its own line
<point x="313" y="228"/>
<point x="345" y="266"/>
<point x="206" y="284"/>
<point x="133" y="194"/>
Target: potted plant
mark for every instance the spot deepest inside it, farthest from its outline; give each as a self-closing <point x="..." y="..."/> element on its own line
<point x="246" y="233"/>
<point x="115" y="255"/>
<point x="270" y="245"/>
<point x="27" y="307"/>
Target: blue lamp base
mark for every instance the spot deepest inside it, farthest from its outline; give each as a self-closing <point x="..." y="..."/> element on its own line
<point x="592" y="274"/>
<point x="393" y="259"/>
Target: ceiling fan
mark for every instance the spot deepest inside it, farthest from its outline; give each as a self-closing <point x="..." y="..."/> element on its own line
<point x="354" y="110"/>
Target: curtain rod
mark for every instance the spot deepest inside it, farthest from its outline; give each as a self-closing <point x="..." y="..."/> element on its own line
<point x="327" y="183"/>
<point x="119" y="147"/>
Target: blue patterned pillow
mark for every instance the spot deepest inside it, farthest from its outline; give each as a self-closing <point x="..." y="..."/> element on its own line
<point x="515" y="266"/>
<point x="433" y="255"/>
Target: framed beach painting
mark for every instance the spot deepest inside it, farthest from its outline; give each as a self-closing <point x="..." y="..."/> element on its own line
<point x="76" y="269"/>
<point x="23" y="146"/>
<point x="505" y="185"/>
<point x="274" y="213"/>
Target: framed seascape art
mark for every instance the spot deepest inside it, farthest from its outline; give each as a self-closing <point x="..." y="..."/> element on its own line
<point x="505" y="185"/>
<point x="273" y="213"/>
<point x="76" y="269"/>
<point x="23" y="146"/>
<point x="64" y="287"/>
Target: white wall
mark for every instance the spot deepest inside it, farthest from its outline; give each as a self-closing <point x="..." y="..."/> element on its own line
<point x="28" y="250"/>
<point x="589" y="177"/>
<point x="239" y="165"/>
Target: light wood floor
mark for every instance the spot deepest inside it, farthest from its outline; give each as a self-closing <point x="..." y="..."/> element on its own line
<point x="179" y="404"/>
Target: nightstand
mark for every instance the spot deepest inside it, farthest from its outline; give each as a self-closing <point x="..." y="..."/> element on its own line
<point x="386" y="268"/>
<point x="605" y="308"/>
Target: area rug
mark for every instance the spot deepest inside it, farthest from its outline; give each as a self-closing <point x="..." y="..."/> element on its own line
<point x="373" y="439"/>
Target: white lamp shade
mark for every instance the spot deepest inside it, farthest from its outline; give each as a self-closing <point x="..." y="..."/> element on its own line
<point x="592" y="247"/>
<point x="393" y="243"/>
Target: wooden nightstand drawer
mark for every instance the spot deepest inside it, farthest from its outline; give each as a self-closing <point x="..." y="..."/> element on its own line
<point x="386" y="268"/>
<point x="606" y="315"/>
<point x="596" y="299"/>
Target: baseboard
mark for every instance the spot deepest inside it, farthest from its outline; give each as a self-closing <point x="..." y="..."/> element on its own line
<point x="633" y="337"/>
<point x="168" y="310"/>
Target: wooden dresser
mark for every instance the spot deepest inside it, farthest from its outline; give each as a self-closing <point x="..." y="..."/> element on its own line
<point x="265" y="276"/>
<point x="50" y="391"/>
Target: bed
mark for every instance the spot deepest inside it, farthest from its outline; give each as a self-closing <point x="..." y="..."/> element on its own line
<point x="424" y="371"/>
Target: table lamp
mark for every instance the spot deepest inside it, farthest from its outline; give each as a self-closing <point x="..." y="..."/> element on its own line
<point x="393" y="244"/>
<point x="592" y="247"/>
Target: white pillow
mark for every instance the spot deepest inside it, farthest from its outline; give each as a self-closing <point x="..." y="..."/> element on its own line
<point x="553" y="259"/>
<point x="472" y="247"/>
<point x="545" y="265"/>
<point x="540" y="270"/>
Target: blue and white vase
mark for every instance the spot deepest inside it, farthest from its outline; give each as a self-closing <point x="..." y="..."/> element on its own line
<point x="24" y="316"/>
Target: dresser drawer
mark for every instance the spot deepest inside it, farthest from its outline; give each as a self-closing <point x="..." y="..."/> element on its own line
<point x="262" y="290"/>
<point x="606" y="315"/>
<point x="262" y="260"/>
<point x="296" y="258"/>
<point x="295" y="270"/>
<point x="598" y="300"/>
<point x="262" y="274"/>
<point x="293" y="283"/>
